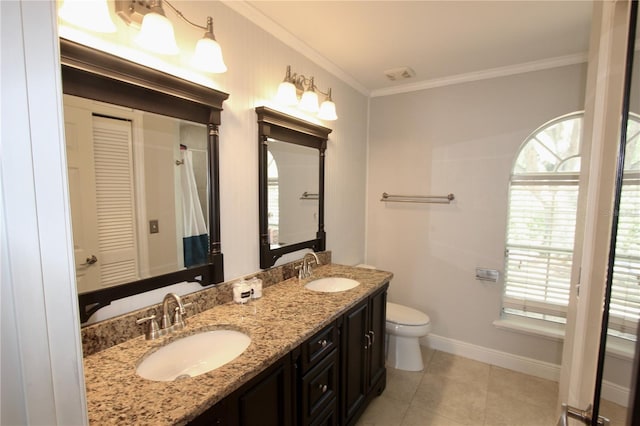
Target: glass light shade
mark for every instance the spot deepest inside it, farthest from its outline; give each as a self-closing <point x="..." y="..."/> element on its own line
<point x="287" y="94"/>
<point x="208" y="56"/>
<point x="156" y="34"/>
<point x="328" y="111"/>
<point x="88" y="14"/>
<point x="309" y="101"/>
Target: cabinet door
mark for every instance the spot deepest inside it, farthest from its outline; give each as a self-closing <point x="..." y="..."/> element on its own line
<point x="378" y="306"/>
<point x="354" y="359"/>
<point x="268" y="401"/>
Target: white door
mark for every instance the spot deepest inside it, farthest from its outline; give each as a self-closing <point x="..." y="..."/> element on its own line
<point x="101" y="188"/>
<point x="603" y="109"/>
<point x="80" y="168"/>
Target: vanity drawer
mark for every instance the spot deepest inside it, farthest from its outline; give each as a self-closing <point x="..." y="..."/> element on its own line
<point x="319" y="345"/>
<point x="328" y="416"/>
<point x="319" y="388"/>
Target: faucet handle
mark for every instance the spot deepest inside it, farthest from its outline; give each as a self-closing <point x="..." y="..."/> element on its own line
<point x="300" y="269"/>
<point x="153" y="331"/>
<point x="178" y="318"/>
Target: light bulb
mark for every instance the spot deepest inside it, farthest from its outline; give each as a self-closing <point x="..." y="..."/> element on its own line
<point x="156" y="34"/>
<point x="287" y="94"/>
<point x="89" y="14"/>
<point x="309" y="101"/>
<point x="328" y="111"/>
<point x="208" y="53"/>
<point x="208" y="56"/>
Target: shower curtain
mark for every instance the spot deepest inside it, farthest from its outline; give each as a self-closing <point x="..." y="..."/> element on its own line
<point x="195" y="235"/>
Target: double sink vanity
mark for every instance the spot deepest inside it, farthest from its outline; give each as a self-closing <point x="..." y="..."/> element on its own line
<point x="303" y="356"/>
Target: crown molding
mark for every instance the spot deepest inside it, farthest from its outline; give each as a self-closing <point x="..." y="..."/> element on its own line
<point x="560" y="61"/>
<point x="276" y="30"/>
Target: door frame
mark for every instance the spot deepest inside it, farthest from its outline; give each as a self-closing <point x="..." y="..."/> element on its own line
<point x="603" y="109"/>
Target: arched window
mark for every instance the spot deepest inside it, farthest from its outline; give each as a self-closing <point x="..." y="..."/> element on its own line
<point x="543" y="198"/>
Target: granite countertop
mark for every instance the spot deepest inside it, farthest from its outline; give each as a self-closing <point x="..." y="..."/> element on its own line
<point x="282" y="319"/>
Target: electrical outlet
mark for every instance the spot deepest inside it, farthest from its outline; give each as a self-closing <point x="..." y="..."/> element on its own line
<point x="153" y="226"/>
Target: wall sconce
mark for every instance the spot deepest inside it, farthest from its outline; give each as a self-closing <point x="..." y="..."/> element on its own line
<point x="295" y="84"/>
<point x="156" y="30"/>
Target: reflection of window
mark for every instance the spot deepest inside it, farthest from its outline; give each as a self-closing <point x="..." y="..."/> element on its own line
<point x="273" y="199"/>
<point x="541" y="226"/>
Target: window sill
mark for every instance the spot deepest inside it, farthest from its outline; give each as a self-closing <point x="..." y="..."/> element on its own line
<point x="532" y="327"/>
<point x="616" y="347"/>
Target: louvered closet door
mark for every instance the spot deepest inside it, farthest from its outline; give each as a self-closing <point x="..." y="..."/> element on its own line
<point x="115" y="202"/>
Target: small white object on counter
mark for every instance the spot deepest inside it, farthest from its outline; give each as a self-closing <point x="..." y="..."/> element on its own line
<point x="241" y="291"/>
<point x="256" y="287"/>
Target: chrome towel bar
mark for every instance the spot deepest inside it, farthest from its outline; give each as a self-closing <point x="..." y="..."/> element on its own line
<point x="308" y="196"/>
<point x="437" y="199"/>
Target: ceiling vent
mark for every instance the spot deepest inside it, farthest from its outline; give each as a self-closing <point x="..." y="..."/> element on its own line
<point x="401" y="73"/>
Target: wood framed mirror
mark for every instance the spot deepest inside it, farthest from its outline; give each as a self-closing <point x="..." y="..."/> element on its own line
<point x="291" y="185"/>
<point x="111" y="83"/>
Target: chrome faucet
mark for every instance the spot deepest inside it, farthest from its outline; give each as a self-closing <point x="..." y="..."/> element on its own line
<point x="305" y="268"/>
<point x="178" y="320"/>
<point x="153" y="330"/>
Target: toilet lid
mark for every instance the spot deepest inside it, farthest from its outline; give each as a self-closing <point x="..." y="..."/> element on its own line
<point x="404" y="315"/>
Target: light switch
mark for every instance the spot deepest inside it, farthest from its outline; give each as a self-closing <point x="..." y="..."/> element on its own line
<point x="153" y="226"/>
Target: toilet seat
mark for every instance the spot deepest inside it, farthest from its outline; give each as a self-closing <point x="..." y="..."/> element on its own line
<point x="404" y="315"/>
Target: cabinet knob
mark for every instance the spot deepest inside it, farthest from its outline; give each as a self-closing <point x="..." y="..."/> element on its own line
<point x="366" y="346"/>
<point x="323" y="388"/>
<point x="323" y="343"/>
<point x="373" y="337"/>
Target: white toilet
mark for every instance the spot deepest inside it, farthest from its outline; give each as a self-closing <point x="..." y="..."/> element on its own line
<point x="405" y="326"/>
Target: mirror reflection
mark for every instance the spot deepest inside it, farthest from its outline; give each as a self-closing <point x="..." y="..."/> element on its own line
<point x="291" y="185"/>
<point x="292" y="179"/>
<point x="138" y="185"/>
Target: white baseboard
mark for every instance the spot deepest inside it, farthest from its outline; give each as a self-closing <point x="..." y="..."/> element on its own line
<point x="610" y="391"/>
<point x="615" y="393"/>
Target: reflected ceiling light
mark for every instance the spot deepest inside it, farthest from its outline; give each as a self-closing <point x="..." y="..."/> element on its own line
<point x="88" y="14"/>
<point x="294" y="85"/>
<point x="157" y="34"/>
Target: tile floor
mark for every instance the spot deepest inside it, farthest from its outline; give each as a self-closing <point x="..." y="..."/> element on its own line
<point x="456" y="391"/>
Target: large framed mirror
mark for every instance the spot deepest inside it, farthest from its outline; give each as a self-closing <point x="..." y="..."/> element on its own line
<point x="291" y="185"/>
<point x="142" y="154"/>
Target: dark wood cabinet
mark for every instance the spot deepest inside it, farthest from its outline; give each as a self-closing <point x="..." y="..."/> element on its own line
<point x="354" y="358"/>
<point x="266" y="400"/>
<point x="363" y="372"/>
<point x="377" y="324"/>
<point x="326" y="381"/>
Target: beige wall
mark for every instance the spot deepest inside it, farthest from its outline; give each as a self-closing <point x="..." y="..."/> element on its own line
<point x="161" y="140"/>
<point x="459" y="139"/>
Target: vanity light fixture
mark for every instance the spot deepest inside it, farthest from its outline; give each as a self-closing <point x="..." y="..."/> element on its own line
<point x="157" y="34"/>
<point x="297" y="84"/>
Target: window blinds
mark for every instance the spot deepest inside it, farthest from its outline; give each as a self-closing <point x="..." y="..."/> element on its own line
<point x="624" y="307"/>
<point x="539" y="246"/>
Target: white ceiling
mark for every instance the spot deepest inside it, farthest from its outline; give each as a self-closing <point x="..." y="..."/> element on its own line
<point x="441" y="40"/>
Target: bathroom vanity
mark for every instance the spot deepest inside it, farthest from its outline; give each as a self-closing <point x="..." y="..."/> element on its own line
<point x="314" y="358"/>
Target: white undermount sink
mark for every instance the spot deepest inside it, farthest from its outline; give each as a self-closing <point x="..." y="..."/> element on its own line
<point x="193" y="355"/>
<point x="331" y="284"/>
